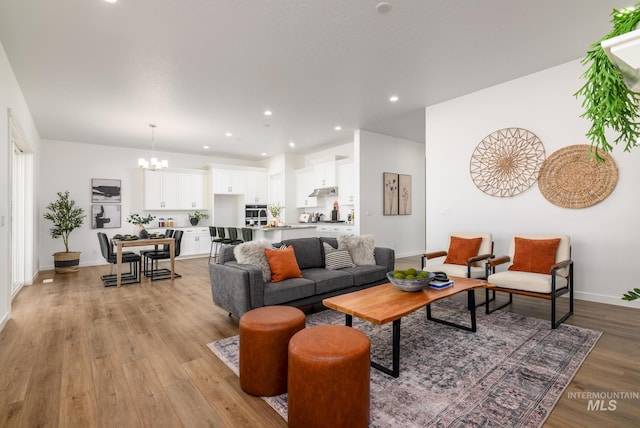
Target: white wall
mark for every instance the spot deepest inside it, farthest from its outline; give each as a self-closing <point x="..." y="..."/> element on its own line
<point x="374" y="155"/>
<point x="71" y="166"/>
<point x="10" y="98"/>
<point x="604" y="237"/>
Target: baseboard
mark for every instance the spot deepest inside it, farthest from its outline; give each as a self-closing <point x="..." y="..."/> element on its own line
<point x="602" y="298"/>
<point x="4" y="321"/>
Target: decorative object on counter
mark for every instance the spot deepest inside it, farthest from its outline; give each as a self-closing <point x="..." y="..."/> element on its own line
<point x="390" y="189"/>
<point x="506" y="162"/>
<point x="404" y="194"/>
<point x="105" y="190"/>
<point x="140" y="222"/>
<point x="66" y="217"/>
<point x="153" y="163"/>
<point x="170" y="222"/>
<point x="275" y="210"/>
<point x="570" y="178"/>
<point x="106" y="217"/>
<point x="161" y="222"/>
<point x="195" y="218"/>
<point x="335" y="212"/>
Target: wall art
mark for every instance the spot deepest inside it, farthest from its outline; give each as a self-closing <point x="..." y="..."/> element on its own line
<point x="104" y="190"/>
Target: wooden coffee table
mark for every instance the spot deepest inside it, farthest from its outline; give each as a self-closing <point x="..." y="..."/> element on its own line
<point x="385" y="303"/>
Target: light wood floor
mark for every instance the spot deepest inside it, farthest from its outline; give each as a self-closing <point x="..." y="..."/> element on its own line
<point x="76" y="354"/>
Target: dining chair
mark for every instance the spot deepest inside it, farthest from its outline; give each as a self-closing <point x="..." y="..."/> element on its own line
<point x="152" y="258"/>
<point x="134" y="260"/>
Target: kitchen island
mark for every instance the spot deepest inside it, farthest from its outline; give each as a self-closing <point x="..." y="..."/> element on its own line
<point x="280" y="233"/>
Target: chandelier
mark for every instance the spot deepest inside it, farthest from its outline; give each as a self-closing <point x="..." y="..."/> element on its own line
<point x="152" y="163"/>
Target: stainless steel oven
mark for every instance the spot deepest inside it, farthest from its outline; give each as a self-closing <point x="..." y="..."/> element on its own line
<point x="255" y="215"/>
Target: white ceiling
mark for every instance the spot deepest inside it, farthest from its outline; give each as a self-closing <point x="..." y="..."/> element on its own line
<point x="99" y="73"/>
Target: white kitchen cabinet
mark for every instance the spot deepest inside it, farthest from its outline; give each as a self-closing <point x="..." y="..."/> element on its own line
<point x="346" y="187"/>
<point x="305" y="183"/>
<point x="192" y="194"/>
<point x="195" y="241"/>
<point x="228" y="181"/>
<point x="171" y="190"/>
<point x="332" y="230"/>
<point x="325" y="174"/>
<point x="161" y="190"/>
<point x="255" y="187"/>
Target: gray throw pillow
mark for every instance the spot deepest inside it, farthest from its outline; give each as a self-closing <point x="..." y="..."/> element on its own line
<point x="336" y="258"/>
<point x="252" y="253"/>
<point x="360" y="247"/>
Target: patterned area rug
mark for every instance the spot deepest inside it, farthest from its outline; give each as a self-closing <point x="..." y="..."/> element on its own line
<point x="510" y="373"/>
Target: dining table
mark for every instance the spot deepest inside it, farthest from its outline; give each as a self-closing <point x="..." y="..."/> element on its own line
<point x="122" y="243"/>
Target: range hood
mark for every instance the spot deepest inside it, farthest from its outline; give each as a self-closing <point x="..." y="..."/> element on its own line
<point x="324" y="191"/>
<point x="624" y="52"/>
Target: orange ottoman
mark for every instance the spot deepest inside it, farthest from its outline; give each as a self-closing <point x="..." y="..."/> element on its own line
<point x="264" y="340"/>
<point x="329" y="377"/>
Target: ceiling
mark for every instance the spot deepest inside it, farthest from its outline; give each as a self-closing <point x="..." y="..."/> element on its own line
<point x="100" y="73"/>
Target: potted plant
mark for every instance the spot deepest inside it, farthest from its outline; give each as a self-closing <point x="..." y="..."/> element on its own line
<point x="607" y="101"/>
<point x="196" y="217"/>
<point x="140" y="221"/>
<point x="66" y="217"/>
<point x="275" y="210"/>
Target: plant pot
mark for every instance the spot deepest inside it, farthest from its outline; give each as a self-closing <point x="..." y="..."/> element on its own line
<point x="194" y="221"/>
<point x="66" y="262"/>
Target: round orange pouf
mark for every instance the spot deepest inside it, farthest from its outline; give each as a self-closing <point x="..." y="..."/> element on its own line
<point x="264" y="341"/>
<point x="329" y="377"/>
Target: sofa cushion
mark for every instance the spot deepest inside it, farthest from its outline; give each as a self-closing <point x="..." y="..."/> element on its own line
<point x="283" y="264"/>
<point x="461" y="250"/>
<point x="288" y="290"/>
<point x="328" y="280"/>
<point x="308" y="252"/>
<point x="534" y="255"/>
<point x="336" y="258"/>
<point x="252" y="253"/>
<point x="361" y="248"/>
<point x="366" y="274"/>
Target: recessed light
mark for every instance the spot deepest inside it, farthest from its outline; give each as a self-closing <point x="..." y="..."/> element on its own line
<point x="383" y="7"/>
<point x="205" y="147"/>
<point x="338" y="128"/>
<point x="393" y="98"/>
<point x="267" y="113"/>
<point x="111" y="1"/>
<point x="292" y="144"/>
<point x="228" y="134"/>
<point x="264" y="154"/>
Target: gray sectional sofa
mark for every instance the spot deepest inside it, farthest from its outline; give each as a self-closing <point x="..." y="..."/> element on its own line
<point x="238" y="288"/>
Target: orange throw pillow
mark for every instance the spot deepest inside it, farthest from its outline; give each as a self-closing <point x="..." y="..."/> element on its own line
<point x="283" y="264"/>
<point x="462" y="249"/>
<point x="535" y="255"/>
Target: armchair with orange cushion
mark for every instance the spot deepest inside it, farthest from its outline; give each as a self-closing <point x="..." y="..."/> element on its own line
<point x="539" y="266"/>
<point x="466" y="251"/>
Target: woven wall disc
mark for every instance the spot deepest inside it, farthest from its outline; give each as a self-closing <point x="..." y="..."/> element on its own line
<point x="506" y="162"/>
<point x="570" y="179"/>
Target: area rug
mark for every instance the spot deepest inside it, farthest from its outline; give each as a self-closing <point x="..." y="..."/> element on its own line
<point x="510" y="373"/>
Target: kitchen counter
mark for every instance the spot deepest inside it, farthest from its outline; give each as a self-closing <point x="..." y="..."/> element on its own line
<point x="280" y="233"/>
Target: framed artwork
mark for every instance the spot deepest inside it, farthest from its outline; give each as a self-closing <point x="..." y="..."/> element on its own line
<point x="404" y="194"/>
<point x="104" y="190"/>
<point x="106" y="216"/>
<point x="390" y="189"/>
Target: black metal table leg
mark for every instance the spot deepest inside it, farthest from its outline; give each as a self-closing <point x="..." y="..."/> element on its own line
<point x="471" y="301"/>
<point x="395" y="368"/>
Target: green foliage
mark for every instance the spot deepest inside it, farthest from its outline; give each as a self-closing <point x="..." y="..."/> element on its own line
<point x="632" y="295"/>
<point x="197" y="216"/>
<point x="65" y="216"/>
<point x="608" y="102"/>
<point x="137" y="219"/>
<point x="275" y="210"/>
